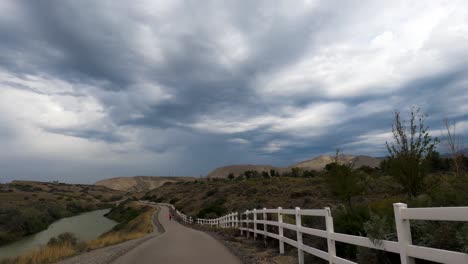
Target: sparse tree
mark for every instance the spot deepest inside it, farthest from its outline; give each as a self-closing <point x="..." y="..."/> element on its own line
<point x="454" y="146"/>
<point x="409" y="149"/>
<point x="231" y="176"/>
<point x="296" y="172"/>
<point x="273" y="173"/>
<point x="344" y="182"/>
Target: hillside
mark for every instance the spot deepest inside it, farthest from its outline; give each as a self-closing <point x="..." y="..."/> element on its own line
<point x="316" y="164"/>
<point x="223" y="172"/>
<point x="139" y="183"/>
<point x="320" y="162"/>
<point x="205" y="198"/>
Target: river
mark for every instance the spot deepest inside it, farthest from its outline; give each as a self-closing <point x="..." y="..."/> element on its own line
<point x="86" y="226"/>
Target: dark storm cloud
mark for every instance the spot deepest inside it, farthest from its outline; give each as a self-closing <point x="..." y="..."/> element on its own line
<point x="220" y="82"/>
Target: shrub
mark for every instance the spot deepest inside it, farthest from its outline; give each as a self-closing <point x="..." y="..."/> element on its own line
<point x="63" y="239"/>
<point x="343" y="181"/>
<point x="408" y="152"/>
<point x="300" y="194"/>
<point x="211" y="192"/>
<point x="350" y="222"/>
<point x="216" y="208"/>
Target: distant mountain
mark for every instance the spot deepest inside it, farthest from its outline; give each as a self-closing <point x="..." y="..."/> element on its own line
<point x="139" y="183"/>
<point x="320" y="162"/>
<point x="317" y="164"/>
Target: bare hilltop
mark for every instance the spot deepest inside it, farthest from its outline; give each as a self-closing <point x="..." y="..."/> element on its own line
<point x="140" y="183"/>
<point x="316" y="164"/>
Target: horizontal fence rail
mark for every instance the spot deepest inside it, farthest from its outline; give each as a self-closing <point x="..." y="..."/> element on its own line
<point x="248" y="221"/>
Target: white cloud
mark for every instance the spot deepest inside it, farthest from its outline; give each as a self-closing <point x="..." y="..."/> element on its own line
<point x="311" y="120"/>
<point x="377" y="59"/>
<point x="239" y="141"/>
<point x="275" y="146"/>
<point x="49" y="111"/>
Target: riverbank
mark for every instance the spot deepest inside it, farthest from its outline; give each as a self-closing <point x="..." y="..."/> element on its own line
<point x="127" y="229"/>
<point x="109" y="254"/>
<point x="86" y="226"/>
<point x="27" y="208"/>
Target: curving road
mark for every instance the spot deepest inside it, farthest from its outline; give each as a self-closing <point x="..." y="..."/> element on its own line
<point x="179" y="244"/>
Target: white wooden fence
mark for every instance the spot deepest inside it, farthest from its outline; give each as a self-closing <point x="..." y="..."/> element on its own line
<point x="183" y="217"/>
<point x="228" y="221"/>
<point x="248" y="222"/>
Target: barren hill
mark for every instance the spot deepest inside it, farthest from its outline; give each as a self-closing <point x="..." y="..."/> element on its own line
<point x="223" y="172"/>
<point x="317" y="164"/>
<point x="320" y="162"/>
<point x="139" y="183"/>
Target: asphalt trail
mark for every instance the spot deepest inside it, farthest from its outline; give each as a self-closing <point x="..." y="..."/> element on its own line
<point x="178" y="245"/>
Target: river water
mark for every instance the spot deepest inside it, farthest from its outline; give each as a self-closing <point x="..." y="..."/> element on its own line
<point x="86" y="226"/>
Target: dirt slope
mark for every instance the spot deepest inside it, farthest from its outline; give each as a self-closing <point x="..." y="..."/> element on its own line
<point x="139" y="183"/>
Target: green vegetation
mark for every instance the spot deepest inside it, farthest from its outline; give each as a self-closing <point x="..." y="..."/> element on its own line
<point x="344" y="181"/>
<point x="29" y="207"/>
<point x="409" y="151"/>
<point x="124" y="213"/>
<point x="135" y="221"/>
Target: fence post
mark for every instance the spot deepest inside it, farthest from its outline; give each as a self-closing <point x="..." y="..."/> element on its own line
<point x="300" y="252"/>
<point x="330" y="230"/>
<point x="236" y="219"/>
<point x="247" y="223"/>
<point x="280" y="230"/>
<point x="264" y="224"/>
<point x="255" y="223"/>
<point x="403" y="233"/>
<point x="241" y="224"/>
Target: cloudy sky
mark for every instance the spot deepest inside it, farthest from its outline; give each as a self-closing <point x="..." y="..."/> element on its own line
<point x="94" y="89"/>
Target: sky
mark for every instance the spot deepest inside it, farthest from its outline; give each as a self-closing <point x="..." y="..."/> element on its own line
<point x="97" y="89"/>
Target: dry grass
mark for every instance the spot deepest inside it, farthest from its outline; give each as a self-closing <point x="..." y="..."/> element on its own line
<point x="136" y="228"/>
<point x="49" y="254"/>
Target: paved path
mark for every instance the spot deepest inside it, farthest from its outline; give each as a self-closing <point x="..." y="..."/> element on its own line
<point x="179" y="245"/>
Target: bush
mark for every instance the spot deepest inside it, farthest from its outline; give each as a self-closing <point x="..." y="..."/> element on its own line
<point x="63" y="239"/>
<point x="300" y="194"/>
<point x="343" y="181"/>
<point x="211" y="192"/>
<point x="350" y="222"/>
<point x="410" y="151"/>
<point x="215" y="209"/>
